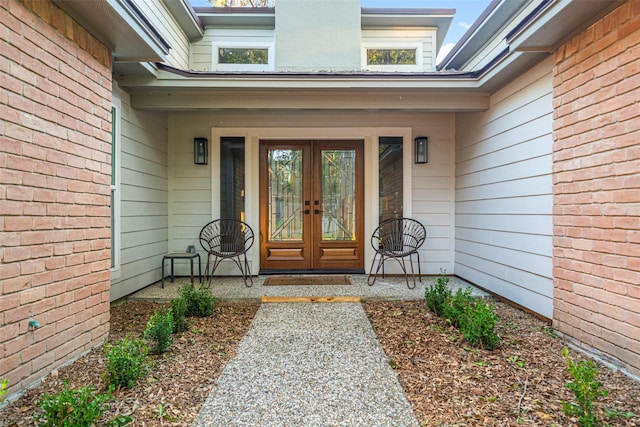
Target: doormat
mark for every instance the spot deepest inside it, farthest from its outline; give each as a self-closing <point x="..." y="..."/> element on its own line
<point x="309" y="299"/>
<point x="307" y="280"/>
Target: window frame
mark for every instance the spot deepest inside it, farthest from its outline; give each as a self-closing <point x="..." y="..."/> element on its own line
<point x="115" y="193"/>
<point x="269" y="66"/>
<point x="417" y="46"/>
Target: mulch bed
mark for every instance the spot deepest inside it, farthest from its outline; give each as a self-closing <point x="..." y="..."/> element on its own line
<point x="523" y="382"/>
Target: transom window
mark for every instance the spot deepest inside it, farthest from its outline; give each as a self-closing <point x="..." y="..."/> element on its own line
<point x="391" y="57"/>
<point x="249" y="56"/>
<point x="386" y="57"/>
<point x="230" y="55"/>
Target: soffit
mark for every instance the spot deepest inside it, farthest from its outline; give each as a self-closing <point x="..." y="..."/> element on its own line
<point x="119" y="25"/>
<point x="560" y="20"/>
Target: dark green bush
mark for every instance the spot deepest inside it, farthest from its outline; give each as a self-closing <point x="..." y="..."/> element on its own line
<point x="72" y="407"/>
<point x="179" y="311"/>
<point x="159" y="329"/>
<point x="477" y="323"/>
<point x="200" y="302"/>
<point x="438" y="293"/>
<point x="456" y="305"/>
<point x="126" y="361"/>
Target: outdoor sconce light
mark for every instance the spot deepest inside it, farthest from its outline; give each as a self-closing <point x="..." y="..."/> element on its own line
<point x="200" y="151"/>
<point x="421" y="149"/>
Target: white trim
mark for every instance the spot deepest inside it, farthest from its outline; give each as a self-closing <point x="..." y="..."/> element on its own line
<point x="116" y="189"/>
<point x="417" y="46"/>
<point x="252" y="184"/>
<point x="269" y="66"/>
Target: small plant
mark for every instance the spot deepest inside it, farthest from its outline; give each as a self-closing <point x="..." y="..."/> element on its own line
<point x="179" y="312"/>
<point x="3" y="389"/>
<point x="438" y="293"/>
<point x="477" y="324"/>
<point x="456" y="305"/>
<point x="586" y="389"/>
<point x="159" y="329"/>
<point x="72" y="407"/>
<point x="126" y="361"/>
<point x="200" y="302"/>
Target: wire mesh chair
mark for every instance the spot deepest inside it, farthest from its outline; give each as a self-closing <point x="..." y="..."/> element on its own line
<point x="397" y="238"/>
<point x="227" y="239"/>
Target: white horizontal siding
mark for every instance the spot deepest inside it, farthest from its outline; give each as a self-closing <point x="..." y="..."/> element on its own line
<point x="398" y="37"/>
<point x="202" y="51"/>
<point x="163" y="21"/>
<point x="503" y="206"/>
<point x="143" y="198"/>
<point x="432" y="184"/>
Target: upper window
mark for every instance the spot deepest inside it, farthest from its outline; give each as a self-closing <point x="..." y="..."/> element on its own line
<point x="392" y="57"/>
<point x="243" y="57"/>
<point x="230" y="55"/>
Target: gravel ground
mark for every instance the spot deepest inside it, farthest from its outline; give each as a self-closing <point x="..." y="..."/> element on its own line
<point x="308" y="365"/>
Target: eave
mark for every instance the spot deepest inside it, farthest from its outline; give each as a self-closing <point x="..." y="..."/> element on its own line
<point x="190" y="90"/>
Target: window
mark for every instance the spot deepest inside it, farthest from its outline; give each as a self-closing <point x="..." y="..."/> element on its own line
<point x="391" y="57"/>
<point x="243" y="57"/>
<point x="232" y="177"/>
<point x="115" y="188"/>
<point x="390" y="176"/>
<point x="228" y="55"/>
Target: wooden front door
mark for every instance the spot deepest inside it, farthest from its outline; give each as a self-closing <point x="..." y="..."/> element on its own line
<point x="311" y="205"/>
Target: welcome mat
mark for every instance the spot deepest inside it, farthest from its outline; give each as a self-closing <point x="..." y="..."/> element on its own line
<point x="307" y="280"/>
<point x="310" y="299"/>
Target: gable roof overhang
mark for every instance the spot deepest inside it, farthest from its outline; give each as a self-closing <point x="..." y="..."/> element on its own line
<point x="531" y="38"/>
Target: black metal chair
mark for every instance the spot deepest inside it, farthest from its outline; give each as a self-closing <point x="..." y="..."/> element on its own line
<point x="397" y="238"/>
<point x="227" y="239"/>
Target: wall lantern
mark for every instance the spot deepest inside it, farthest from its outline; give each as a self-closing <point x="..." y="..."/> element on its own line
<point x="421" y="149"/>
<point x="200" y="151"/>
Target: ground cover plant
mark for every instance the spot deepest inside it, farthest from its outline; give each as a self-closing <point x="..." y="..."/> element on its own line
<point x="523" y="381"/>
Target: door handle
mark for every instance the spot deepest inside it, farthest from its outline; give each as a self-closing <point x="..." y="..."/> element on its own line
<point x="317" y="211"/>
<point x="306" y="211"/>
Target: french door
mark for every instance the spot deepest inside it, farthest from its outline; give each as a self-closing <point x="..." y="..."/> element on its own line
<point x="311" y="205"/>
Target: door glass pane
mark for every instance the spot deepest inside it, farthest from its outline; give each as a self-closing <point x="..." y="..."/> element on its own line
<point x="390" y="177"/>
<point x="232" y="178"/>
<point x="338" y="194"/>
<point x="285" y="194"/>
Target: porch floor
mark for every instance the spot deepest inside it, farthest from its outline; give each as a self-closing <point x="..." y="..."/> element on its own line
<point x="232" y="288"/>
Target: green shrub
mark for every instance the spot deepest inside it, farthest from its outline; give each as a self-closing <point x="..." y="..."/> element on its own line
<point x="586" y="389"/>
<point x="179" y="311"/>
<point x="437" y="293"/>
<point x="477" y="324"/>
<point x="72" y="407"/>
<point x="456" y="305"/>
<point x="126" y="361"/>
<point x="159" y="329"/>
<point x="200" y="302"/>
<point x="4" y="384"/>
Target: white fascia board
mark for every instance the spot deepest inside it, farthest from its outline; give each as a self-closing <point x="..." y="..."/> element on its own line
<point x="437" y="82"/>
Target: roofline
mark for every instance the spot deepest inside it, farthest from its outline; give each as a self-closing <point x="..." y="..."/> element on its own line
<point x="467" y="35"/>
<point x="407" y="11"/>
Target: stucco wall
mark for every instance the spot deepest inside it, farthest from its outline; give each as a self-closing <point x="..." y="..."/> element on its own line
<point x="597" y="187"/>
<point x="55" y="153"/>
<point x="503" y="193"/>
<point x="327" y="35"/>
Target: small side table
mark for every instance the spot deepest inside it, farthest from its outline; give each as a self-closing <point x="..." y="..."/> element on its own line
<point x="182" y="255"/>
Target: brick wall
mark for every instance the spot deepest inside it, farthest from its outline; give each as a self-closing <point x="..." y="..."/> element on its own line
<point x="597" y="187"/>
<point x="55" y="148"/>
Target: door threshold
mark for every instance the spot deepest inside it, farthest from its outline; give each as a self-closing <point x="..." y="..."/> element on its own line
<point x="314" y="272"/>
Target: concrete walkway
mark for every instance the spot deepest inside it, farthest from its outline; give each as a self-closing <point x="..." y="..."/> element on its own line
<point x="305" y="364"/>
